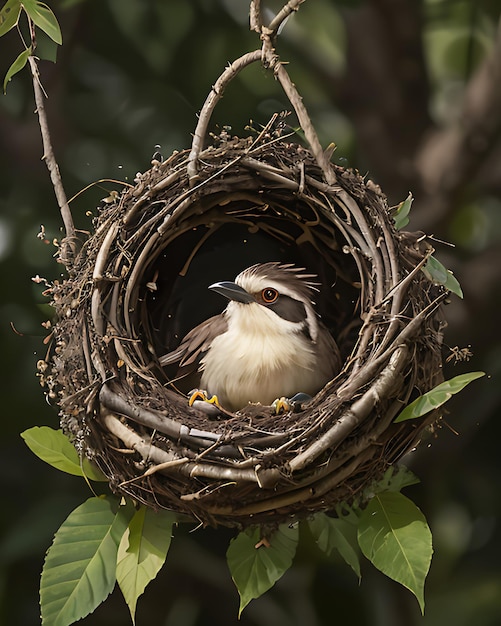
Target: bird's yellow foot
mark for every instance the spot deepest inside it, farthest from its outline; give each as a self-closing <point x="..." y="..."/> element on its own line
<point x="282" y="405"/>
<point x="203" y="396"/>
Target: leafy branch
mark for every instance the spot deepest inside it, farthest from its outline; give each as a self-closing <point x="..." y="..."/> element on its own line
<point x="437" y="396"/>
<point x="106" y="540"/>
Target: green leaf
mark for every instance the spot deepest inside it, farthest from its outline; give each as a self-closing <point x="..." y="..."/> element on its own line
<point x="256" y="563"/>
<point x="47" y="49"/>
<point x="54" y="447"/>
<point x="16" y="67"/>
<point x="437" y="396"/>
<point x="401" y="214"/>
<point x="44" y="18"/>
<point x="80" y="568"/>
<point x="334" y="534"/>
<point x="142" y="552"/>
<point x="9" y="15"/>
<point x="394" y="536"/>
<point x="440" y="275"/>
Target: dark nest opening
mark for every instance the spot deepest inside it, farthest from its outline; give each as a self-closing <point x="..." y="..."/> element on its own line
<point x="140" y="282"/>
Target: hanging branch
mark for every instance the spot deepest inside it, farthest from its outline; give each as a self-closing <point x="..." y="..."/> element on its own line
<point x="270" y="60"/>
<point x="212" y="99"/>
<point x="289" y="8"/>
<point x="256" y="20"/>
<point x="68" y="247"/>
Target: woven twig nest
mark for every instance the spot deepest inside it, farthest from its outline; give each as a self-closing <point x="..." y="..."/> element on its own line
<point x="139" y="283"/>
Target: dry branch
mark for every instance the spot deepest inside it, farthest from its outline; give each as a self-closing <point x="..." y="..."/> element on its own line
<point x="69" y="244"/>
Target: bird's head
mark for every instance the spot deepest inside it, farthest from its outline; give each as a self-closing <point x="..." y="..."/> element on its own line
<point x="284" y="290"/>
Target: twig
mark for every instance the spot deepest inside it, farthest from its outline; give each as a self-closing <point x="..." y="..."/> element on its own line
<point x="212" y="99"/>
<point x="167" y="426"/>
<point x="358" y="411"/>
<point x="68" y="245"/>
<point x="271" y="59"/>
<point x="151" y="453"/>
<point x="283" y="14"/>
<point x="255" y="19"/>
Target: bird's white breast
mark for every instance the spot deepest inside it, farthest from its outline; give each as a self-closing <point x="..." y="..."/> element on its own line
<point x="261" y="357"/>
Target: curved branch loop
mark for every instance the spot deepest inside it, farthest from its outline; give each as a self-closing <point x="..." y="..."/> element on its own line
<point x="270" y="60"/>
<point x="212" y="99"/>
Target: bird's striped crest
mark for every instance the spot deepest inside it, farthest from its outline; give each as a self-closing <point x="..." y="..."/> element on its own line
<point x="286" y="275"/>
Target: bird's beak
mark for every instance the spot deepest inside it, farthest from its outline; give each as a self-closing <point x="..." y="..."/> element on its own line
<point x="232" y="291"/>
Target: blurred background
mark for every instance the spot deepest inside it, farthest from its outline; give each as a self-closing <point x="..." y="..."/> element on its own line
<point x="410" y="91"/>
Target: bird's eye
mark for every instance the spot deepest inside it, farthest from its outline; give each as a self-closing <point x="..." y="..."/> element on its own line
<point x="269" y="295"/>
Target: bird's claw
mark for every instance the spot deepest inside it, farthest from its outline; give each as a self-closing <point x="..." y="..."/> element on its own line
<point x="201" y="395"/>
<point x="282" y="405"/>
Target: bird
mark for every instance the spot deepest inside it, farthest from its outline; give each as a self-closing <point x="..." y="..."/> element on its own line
<point x="268" y="342"/>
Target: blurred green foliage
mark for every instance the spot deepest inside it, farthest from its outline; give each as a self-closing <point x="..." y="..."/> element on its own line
<point x="379" y="78"/>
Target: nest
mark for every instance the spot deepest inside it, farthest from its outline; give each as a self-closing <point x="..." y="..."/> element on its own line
<point x="139" y="283"/>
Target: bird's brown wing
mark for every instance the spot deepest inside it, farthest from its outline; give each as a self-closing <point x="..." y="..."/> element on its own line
<point x="330" y="355"/>
<point x="194" y="345"/>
